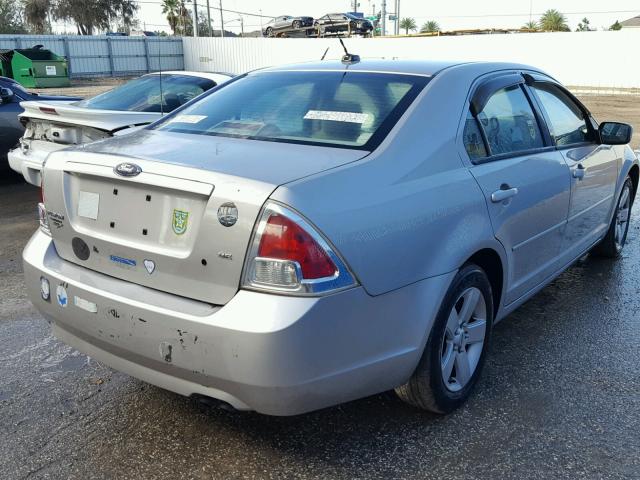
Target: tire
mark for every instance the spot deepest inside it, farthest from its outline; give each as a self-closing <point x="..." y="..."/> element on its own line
<point x="613" y="242"/>
<point x="427" y="388"/>
<point x="269" y="32"/>
<point x="296" y="24"/>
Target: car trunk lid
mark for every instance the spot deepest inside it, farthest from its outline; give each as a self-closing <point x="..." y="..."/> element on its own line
<point x="161" y="227"/>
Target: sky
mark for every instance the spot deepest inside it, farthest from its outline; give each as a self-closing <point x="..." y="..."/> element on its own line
<point x="451" y="15"/>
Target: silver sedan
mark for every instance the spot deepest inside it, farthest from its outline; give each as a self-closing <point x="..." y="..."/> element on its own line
<point x="311" y="234"/>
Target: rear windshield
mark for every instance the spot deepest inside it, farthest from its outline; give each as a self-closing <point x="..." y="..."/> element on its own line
<point x="144" y="94"/>
<point x="342" y="109"/>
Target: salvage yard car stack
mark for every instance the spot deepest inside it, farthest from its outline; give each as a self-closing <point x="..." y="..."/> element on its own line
<point x="310" y="234"/>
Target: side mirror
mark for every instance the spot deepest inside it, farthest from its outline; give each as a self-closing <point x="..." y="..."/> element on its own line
<point x="6" y="95"/>
<point x="615" y="133"/>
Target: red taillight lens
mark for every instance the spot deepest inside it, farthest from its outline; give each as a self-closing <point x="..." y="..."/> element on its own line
<point x="49" y="110"/>
<point x="283" y="239"/>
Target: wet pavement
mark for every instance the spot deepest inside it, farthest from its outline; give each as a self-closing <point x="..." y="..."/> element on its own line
<point x="559" y="399"/>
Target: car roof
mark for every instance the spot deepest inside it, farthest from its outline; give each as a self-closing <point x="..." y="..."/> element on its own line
<point x="400" y="66"/>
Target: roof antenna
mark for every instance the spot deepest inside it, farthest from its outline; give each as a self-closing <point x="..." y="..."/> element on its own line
<point x="160" y="74"/>
<point x="324" y="54"/>
<point x="348" y="58"/>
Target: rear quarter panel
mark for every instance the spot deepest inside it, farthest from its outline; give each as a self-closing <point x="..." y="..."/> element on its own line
<point x="411" y="210"/>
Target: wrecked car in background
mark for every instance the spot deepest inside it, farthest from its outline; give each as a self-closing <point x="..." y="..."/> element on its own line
<point x="139" y="102"/>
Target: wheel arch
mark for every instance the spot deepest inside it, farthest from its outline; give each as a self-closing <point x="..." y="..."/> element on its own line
<point x="490" y="261"/>
<point x="634" y="173"/>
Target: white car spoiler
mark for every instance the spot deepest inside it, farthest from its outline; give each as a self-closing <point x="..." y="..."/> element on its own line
<point x="107" y="120"/>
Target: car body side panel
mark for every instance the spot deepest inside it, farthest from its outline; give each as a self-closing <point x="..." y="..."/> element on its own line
<point x="530" y="225"/>
<point x="10" y="128"/>
<point x="592" y="197"/>
<point x="383" y="216"/>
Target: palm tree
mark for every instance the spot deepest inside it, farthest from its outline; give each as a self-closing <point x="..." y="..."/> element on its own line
<point x="171" y="8"/>
<point x="584" y="25"/>
<point x="408" y="24"/>
<point x="553" y="21"/>
<point x="430" y="27"/>
<point x="35" y="13"/>
<point x="531" y="25"/>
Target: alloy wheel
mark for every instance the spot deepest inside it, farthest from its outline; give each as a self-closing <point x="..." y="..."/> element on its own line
<point x="464" y="339"/>
<point x="622" y="217"/>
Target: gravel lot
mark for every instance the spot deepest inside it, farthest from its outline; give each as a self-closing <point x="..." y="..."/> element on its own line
<point x="559" y="397"/>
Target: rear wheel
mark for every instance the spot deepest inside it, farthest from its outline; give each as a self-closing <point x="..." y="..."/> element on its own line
<point x="296" y="24"/>
<point x="612" y="244"/>
<point x="456" y="349"/>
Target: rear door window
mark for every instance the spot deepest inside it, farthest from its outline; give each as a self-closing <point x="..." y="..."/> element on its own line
<point x="472" y="137"/>
<point x="509" y="123"/>
<point x="567" y="124"/>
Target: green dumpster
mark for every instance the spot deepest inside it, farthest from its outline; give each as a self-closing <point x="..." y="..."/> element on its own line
<point x="40" y="68"/>
<point x="5" y="63"/>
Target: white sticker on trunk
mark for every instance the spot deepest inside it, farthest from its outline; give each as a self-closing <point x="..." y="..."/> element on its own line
<point x="50" y="70"/>
<point x="85" y="304"/>
<point x="347" y="117"/>
<point x="88" y="203"/>
<point x="187" y="119"/>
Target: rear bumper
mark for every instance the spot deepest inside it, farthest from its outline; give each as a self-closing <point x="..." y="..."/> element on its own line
<point x="274" y="354"/>
<point x="29" y="165"/>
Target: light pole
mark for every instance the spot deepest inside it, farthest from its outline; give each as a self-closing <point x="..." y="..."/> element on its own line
<point x="209" y="19"/>
<point x="241" y="20"/>
<point x="221" y="21"/>
<point x="383" y="14"/>
<point x="195" y="18"/>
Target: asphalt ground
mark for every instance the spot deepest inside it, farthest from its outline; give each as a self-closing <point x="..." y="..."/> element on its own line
<point x="558" y="398"/>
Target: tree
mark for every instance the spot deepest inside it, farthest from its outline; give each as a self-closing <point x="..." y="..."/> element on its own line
<point x="584" y="26"/>
<point x="203" y="24"/>
<point x="430" y="27"/>
<point x="408" y="24"/>
<point x="35" y="12"/>
<point x="616" y="26"/>
<point x="11" y="16"/>
<point x="95" y="15"/>
<point x="531" y="25"/>
<point x="178" y="16"/>
<point x="553" y="21"/>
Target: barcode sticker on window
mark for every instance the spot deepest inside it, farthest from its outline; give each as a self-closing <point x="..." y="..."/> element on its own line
<point x="187" y="118"/>
<point x="348" y="117"/>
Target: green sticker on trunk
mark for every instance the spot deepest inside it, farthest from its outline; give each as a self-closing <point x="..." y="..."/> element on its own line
<point x="180" y="220"/>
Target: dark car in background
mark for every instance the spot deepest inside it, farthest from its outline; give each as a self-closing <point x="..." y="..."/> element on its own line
<point x="286" y="23"/>
<point x="11" y="94"/>
<point x="343" y="22"/>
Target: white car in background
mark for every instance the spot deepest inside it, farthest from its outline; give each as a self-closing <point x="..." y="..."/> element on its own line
<point x="50" y="127"/>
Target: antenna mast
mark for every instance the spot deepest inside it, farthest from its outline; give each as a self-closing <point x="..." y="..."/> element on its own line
<point x="160" y="75"/>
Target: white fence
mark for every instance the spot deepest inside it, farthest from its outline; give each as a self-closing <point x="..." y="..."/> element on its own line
<point x="595" y="59"/>
<point x="101" y="55"/>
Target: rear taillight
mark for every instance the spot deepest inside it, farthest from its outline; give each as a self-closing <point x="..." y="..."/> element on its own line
<point x="288" y="255"/>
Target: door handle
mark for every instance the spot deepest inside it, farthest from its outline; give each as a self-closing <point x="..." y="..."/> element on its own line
<point x="578" y="172"/>
<point x="504" y="193"/>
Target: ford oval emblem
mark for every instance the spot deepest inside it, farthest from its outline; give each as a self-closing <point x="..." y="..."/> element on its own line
<point x="127" y="169"/>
